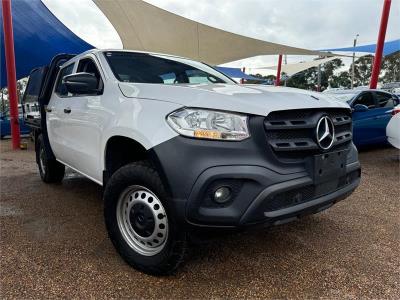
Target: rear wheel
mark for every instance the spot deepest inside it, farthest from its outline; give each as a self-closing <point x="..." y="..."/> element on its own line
<point x="139" y="221"/>
<point x="50" y="170"/>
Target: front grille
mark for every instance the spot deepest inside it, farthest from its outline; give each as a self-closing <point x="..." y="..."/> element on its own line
<point x="291" y="134"/>
<point x="307" y="193"/>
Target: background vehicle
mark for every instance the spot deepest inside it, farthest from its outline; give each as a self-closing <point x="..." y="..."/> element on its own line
<point x="31" y="111"/>
<point x="371" y="113"/>
<point x="181" y="149"/>
<point x="396" y="91"/>
<point x="393" y="128"/>
<point x="5" y="125"/>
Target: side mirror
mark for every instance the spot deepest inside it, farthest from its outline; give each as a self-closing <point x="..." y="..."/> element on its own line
<point x="81" y="83"/>
<point x="360" y="107"/>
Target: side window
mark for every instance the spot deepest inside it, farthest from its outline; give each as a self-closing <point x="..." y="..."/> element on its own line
<point x="168" y="78"/>
<point x="34" y="86"/>
<point x="87" y="65"/>
<point x="60" y="87"/>
<point x="189" y="76"/>
<point x="366" y="99"/>
<point x="198" y="76"/>
<point x="385" y="100"/>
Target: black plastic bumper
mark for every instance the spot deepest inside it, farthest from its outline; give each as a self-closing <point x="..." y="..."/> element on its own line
<point x="264" y="189"/>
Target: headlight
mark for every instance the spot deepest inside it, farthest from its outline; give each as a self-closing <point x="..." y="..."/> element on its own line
<point x="209" y="124"/>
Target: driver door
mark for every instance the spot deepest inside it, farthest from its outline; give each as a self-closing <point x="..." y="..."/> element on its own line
<point x="75" y="122"/>
<point x="82" y="124"/>
<point x="55" y="116"/>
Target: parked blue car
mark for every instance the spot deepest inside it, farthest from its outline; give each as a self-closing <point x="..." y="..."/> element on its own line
<point x="5" y="128"/>
<point x="372" y="111"/>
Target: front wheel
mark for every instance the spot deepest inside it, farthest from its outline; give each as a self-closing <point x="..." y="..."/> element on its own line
<point x="140" y="222"/>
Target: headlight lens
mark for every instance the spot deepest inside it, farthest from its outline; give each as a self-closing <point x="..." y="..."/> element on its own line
<point x="209" y="124"/>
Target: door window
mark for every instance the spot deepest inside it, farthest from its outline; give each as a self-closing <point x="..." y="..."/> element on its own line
<point x="198" y="76"/>
<point x="87" y="65"/>
<point x="365" y="99"/>
<point x="34" y="86"/>
<point x="385" y="100"/>
<point x="61" y="89"/>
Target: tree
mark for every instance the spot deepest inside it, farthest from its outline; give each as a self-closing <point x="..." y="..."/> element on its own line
<point x="362" y="70"/>
<point x="308" y="79"/>
<point x="269" y="78"/>
<point x="331" y="76"/>
<point x="4" y="102"/>
<point x="341" y="80"/>
<point x="391" y="68"/>
<point x="328" y="76"/>
<point x="303" y="80"/>
<point x="21" y="86"/>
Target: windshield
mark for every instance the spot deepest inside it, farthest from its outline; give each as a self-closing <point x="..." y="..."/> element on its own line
<point x="160" y="69"/>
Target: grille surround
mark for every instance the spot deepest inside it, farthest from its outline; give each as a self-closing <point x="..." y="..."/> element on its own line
<point x="291" y="134"/>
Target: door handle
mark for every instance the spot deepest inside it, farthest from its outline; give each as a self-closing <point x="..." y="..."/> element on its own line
<point x="67" y="110"/>
<point x="48" y="109"/>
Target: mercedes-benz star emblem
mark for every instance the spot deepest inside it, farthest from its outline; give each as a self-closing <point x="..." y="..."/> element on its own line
<point x="325" y="133"/>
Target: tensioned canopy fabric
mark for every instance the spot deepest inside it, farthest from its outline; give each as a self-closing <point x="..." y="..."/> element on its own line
<point x="145" y="27"/>
<point x="291" y="69"/>
<point x="38" y="37"/>
<point x="389" y="47"/>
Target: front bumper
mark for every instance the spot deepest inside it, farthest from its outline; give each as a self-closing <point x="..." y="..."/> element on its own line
<point x="263" y="196"/>
<point x="264" y="189"/>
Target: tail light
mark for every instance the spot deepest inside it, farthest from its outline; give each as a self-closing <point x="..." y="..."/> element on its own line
<point x="395" y="110"/>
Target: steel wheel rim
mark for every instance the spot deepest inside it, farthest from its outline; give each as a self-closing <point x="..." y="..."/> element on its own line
<point x="142" y="220"/>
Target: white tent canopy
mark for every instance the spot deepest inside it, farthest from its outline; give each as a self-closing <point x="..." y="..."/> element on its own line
<point x="291" y="69"/>
<point x="145" y="27"/>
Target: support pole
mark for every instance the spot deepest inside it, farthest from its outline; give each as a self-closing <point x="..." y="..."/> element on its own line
<point x="286" y="77"/>
<point x="379" y="45"/>
<point x="11" y="73"/>
<point x="244" y="71"/>
<point x="352" y="65"/>
<point x="278" y="72"/>
<point x="319" y="79"/>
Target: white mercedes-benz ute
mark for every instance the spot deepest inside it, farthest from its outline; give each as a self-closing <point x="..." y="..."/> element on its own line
<point x="182" y="150"/>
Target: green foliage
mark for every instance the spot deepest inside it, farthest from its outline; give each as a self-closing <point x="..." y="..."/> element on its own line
<point x="343" y="79"/>
<point x="332" y="76"/>
<point x="308" y="79"/>
<point x="4" y="103"/>
<point x="262" y="78"/>
<point x="362" y="70"/>
<point x="391" y="68"/>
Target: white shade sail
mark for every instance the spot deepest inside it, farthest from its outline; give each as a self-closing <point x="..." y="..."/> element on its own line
<point x="291" y="69"/>
<point x="145" y="27"/>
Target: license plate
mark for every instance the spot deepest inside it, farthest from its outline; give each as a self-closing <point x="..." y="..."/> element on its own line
<point x="329" y="166"/>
